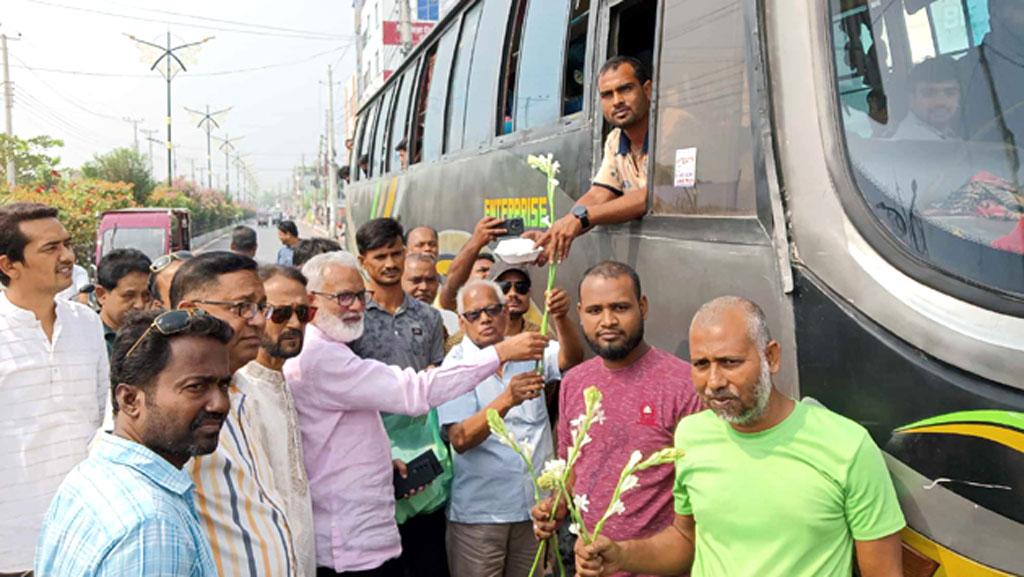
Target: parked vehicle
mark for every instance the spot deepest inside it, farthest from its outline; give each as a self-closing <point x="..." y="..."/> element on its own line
<point x="263" y="218"/>
<point x="154" y="231"/>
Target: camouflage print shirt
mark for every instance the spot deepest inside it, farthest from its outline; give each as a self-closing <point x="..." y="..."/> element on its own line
<point x="411" y="338"/>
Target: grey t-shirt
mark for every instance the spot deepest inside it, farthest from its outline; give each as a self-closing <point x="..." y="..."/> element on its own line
<point x="411" y="338"/>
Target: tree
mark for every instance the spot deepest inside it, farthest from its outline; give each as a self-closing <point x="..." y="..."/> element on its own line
<point x="122" y="165"/>
<point x="33" y="163"/>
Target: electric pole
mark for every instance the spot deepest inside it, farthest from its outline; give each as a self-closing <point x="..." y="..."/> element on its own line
<point x="360" y="85"/>
<point x="135" y="129"/>
<point x="207" y="122"/>
<point x="149" y="133"/>
<point x="332" y="169"/>
<point x="8" y="113"/>
<point x="169" y="58"/>
<point x="405" y="26"/>
<point x="227" y="145"/>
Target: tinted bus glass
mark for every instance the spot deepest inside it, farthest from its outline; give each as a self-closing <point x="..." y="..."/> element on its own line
<point x="483" y="80"/>
<point x="704" y="155"/>
<point x="353" y="160"/>
<point x="437" y="93"/>
<point x="399" y="125"/>
<point x="460" y="79"/>
<point x="935" y="135"/>
<point x="539" y="84"/>
<point x="380" y="136"/>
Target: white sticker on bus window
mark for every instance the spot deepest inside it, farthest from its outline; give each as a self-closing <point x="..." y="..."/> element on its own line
<point x="686" y="168"/>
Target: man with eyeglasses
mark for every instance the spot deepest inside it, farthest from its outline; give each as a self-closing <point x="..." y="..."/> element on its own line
<point x="161" y="273"/>
<point x="340" y="397"/>
<point x="243" y="511"/>
<point x="489" y="529"/>
<point x="128" y="509"/>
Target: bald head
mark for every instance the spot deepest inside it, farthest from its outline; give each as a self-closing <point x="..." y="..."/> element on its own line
<point x="724" y="311"/>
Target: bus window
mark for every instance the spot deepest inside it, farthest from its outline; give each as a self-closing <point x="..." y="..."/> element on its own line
<point x="419" y="114"/>
<point x="366" y="141"/>
<point x="460" y="79"/>
<point x="538" y="91"/>
<point x="941" y="166"/>
<point x="399" y="123"/>
<point x="437" y="90"/>
<point x="575" y="59"/>
<point x="357" y="145"/>
<point x="703" y="162"/>
<point x="515" y="35"/>
<point x="480" y="112"/>
<point x="380" y="153"/>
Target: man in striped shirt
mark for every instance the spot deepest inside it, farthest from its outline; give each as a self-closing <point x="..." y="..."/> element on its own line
<point x="242" y="508"/>
<point x="53" y="375"/>
<point x="128" y="510"/>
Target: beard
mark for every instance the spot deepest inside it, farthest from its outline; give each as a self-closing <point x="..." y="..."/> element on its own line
<point x="162" y="438"/>
<point x="762" y="394"/>
<point x="338" y="329"/>
<point x="616" y="352"/>
<point x="278" y="350"/>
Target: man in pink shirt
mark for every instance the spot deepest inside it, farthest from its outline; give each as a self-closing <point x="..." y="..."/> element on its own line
<point x="646" y="392"/>
<point x="339" y="397"/>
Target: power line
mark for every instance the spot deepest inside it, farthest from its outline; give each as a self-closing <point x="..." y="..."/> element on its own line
<point x="235" y="22"/>
<point x="195" y="74"/>
<point x="187" y="24"/>
<point x="68" y="99"/>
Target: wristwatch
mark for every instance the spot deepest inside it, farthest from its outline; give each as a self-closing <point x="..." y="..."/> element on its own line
<point x="580" y="212"/>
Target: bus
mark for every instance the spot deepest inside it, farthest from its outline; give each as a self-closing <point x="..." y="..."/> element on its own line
<point x="869" y="201"/>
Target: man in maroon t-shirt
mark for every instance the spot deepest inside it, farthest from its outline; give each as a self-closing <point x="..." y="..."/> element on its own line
<point x="646" y="392"/>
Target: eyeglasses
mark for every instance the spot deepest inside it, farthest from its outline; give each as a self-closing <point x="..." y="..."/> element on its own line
<point x="522" y="286"/>
<point x="346" y="298"/>
<point x="280" y="315"/>
<point x="243" y="309"/>
<point x="491" y="310"/>
<point x="165" y="261"/>
<point x="168" y="323"/>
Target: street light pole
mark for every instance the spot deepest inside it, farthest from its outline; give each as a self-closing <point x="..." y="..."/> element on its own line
<point x="227" y="145"/>
<point x="168" y="55"/>
<point x="207" y="122"/>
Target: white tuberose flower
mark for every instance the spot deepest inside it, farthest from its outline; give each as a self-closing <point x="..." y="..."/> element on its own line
<point x="582" y="503"/>
<point x="574" y="529"/>
<point x="630" y="482"/>
<point x="618" y="508"/>
<point x="527" y="450"/>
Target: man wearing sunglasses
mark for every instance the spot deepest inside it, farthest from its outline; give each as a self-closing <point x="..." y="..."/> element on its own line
<point x="340" y="397"/>
<point x="161" y="273"/>
<point x="489" y="530"/>
<point x="243" y="512"/>
<point x="129" y="508"/>
<point x="287" y="313"/>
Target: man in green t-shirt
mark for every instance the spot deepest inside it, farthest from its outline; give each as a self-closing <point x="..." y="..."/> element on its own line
<point x="768" y="487"/>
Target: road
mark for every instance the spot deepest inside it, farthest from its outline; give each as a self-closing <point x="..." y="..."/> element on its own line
<point x="266" y="241"/>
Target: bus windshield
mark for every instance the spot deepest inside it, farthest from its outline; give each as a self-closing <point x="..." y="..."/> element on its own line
<point x="931" y="94"/>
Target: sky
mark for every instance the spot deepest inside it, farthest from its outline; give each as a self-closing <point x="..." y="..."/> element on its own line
<point x="279" y="109"/>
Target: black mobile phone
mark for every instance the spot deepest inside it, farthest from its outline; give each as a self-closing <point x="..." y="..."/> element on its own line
<point x="513" y="227"/>
<point x="421" y="471"/>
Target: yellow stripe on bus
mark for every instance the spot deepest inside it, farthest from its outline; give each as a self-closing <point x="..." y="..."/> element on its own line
<point x="1001" y="435"/>
<point x="390" y="204"/>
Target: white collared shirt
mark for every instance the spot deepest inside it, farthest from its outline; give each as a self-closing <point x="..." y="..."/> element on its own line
<point x="52" y="395"/>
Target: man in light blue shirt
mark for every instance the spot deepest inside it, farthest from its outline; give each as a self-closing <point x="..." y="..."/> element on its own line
<point x="489" y="529"/>
<point x="129" y="510"/>
<point x="288" y="234"/>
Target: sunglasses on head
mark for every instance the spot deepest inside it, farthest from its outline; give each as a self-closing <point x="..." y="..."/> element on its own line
<point x="492" y="311"/>
<point x="522" y="286"/>
<point x="165" y="261"/>
<point x="279" y="315"/>
<point x="168" y="323"/>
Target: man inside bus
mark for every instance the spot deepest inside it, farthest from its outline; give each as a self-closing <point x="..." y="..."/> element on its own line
<point x="618" y="192"/>
<point x="992" y="80"/>
<point x="756" y="491"/>
<point x="934" y="102"/>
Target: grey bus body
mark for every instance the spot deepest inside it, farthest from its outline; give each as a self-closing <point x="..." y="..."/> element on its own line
<point x="930" y="362"/>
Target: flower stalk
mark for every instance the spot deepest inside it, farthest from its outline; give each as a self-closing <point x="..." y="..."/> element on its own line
<point x="550" y="168"/>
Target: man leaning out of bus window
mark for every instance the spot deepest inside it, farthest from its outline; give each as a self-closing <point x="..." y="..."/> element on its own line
<point x="618" y="192"/>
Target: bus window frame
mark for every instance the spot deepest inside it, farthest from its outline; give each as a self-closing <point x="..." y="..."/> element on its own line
<point x="855" y="206"/>
<point x="758" y="228"/>
<point x="357" y="137"/>
<point x="413" y="70"/>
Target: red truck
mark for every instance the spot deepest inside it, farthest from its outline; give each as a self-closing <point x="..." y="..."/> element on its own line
<point x="154" y="231"/>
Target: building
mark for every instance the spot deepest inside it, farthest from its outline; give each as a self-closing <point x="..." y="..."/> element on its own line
<point x="382" y="41"/>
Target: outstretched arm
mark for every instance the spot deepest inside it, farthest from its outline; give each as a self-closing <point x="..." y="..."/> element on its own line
<point x="487" y="229"/>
